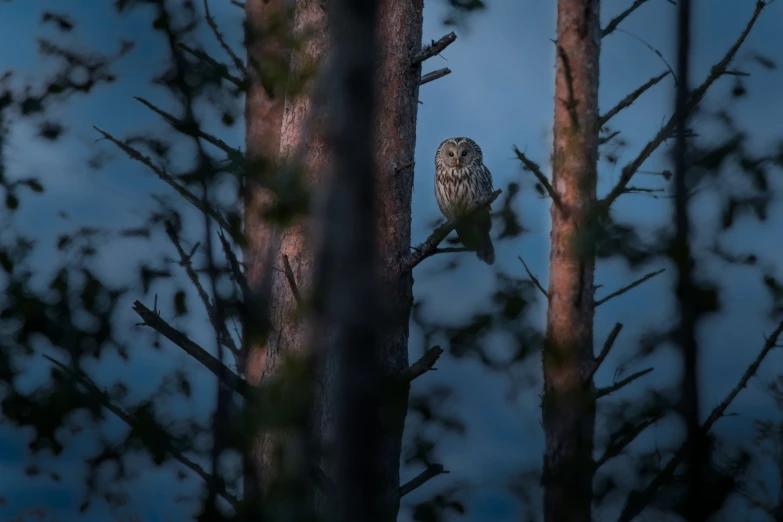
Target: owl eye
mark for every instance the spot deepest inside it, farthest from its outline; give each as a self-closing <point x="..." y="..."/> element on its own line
<point x="464" y="153"/>
<point x="451" y="154"/>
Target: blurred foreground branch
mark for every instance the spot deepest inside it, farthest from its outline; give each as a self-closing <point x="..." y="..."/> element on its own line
<point x="103" y="398"/>
<point x="638" y="500"/>
<point x="210" y="362"/>
<point x="718" y="70"/>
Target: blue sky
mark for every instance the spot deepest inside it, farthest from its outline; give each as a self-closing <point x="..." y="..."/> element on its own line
<point x="500" y="94"/>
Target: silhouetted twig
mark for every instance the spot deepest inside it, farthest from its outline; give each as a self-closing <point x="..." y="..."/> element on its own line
<point x="533" y="278"/>
<point x="637" y="501"/>
<point x="628" y="100"/>
<point x="419" y="480"/>
<point x="185" y="262"/>
<point x="631" y="286"/>
<point x="533" y="167"/>
<point x="423" y="365"/>
<point x="614" y="22"/>
<point x="289" y="275"/>
<point x="602" y="392"/>
<point x="434" y="75"/>
<point x="607" y="347"/>
<point x="210" y="362"/>
<point x="169" y="180"/>
<point x="127" y="418"/>
<point x="434" y="48"/>
<point x="693" y="100"/>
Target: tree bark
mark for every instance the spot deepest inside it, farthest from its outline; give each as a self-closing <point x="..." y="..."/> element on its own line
<point x="263" y="122"/>
<point x="267" y="38"/>
<point x="568" y="407"/>
<point x="399" y="34"/>
<point x="399" y="37"/>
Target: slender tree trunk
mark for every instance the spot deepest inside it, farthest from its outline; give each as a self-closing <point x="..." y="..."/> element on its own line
<point x="569" y="402"/>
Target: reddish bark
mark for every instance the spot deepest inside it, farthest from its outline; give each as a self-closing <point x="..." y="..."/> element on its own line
<point x="300" y="137"/>
<point x="569" y="403"/>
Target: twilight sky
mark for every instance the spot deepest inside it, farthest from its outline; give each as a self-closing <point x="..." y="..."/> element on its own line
<point x="500" y="93"/>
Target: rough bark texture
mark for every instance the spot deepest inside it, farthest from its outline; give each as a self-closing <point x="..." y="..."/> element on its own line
<point x="569" y="404"/>
<point x="399" y="35"/>
<point x="300" y="143"/>
<point x="263" y="121"/>
<point x="266" y="34"/>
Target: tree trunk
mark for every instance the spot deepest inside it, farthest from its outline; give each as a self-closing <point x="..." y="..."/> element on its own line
<point x="399" y="35"/>
<point x="263" y="122"/>
<point x="397" y="85"/>
<point x="568" y="407"/>
<point x="267" y="38"/>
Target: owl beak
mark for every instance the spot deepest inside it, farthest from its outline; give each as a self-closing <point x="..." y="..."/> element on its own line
<point x="459" y="162"/>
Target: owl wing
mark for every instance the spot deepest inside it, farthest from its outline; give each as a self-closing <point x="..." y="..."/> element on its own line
<point x="485" y="177"/>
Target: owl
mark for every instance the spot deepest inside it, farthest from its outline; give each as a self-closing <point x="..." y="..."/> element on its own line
<point x="461" y="178"/>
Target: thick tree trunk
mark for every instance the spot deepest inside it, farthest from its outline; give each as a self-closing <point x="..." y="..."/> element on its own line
<point x="569" y="403"/>
<point x="400" y="35"/>
<point x="397" y="84"/>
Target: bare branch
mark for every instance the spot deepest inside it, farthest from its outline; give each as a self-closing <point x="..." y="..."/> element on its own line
<point x="211" y="21"/>
<point x="236" y="269"/>
<point x="163" y="175"/>
<point x="190" y="129"/>
<point x="404" y="166"/>
<point x="238" y="4"/>
<point x="628" y="100"/>
<point x="423" y="365"/>
<point x="429" y="247"/>
<point x="452" y="250"/>
<point x="434" y="48"/>
<point x="603" y="392"/>
<point x="219" y="67"/>
<point x="655" y="51"/>
<point x="644" y="191"/>
<point x="639" y="500"/>
<point x="571" y="103"/>
<point x="419" y="480"/>
<point x="533" y="278"/>
<point x="622" y="441"/>
<point x="128" y="419"/>
<point x="607" y="347"/>
<point x="629" y="287"/>
<point x="289" y="275"/>
<point x="434" y="75"/>
<point x="185" y="262"/>
<point x="607" y="139"/>
<point x="210" y="362"/>
<point x="614" y="22"/>
<point x="534" y="167"/>
<point x="695" y="98"/>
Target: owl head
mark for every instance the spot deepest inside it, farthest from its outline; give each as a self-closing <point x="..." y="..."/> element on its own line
<point x="458" y="153"/>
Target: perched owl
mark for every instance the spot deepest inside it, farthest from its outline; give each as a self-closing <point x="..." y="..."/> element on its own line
<point x="461" y="178"/>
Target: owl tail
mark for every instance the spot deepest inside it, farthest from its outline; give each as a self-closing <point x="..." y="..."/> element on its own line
<point x="485" y="250"/>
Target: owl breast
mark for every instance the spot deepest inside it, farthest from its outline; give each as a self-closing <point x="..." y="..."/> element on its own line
<point x="456" y="190"/>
